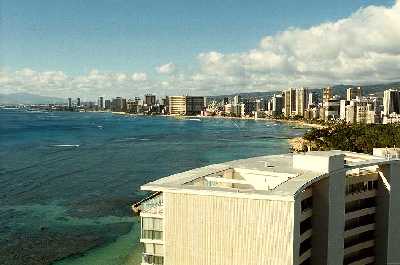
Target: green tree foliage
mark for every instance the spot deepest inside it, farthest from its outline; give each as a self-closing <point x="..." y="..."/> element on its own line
<point x="356" y="138"/>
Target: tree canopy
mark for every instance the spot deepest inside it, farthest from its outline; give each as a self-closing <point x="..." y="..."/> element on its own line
<point x="360" y="138"/>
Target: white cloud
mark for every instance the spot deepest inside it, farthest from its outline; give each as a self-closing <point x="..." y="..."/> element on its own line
<point x="139" y="77"/>
<point x="166" y="69"/>
<point x="363" y="48"/>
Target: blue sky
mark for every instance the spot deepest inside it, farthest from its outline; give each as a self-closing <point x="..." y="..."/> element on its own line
<point x="89" y="48"/>
<point x="121" y="35"/>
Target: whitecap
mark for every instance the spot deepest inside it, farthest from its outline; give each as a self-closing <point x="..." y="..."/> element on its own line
<point x="65" y="145"/>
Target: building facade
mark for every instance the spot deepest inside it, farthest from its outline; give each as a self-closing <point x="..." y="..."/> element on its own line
<point x="391" y="102"/>
<point x="289" y="97"/>
<point x="315" y="208"/>
<point x="301" y="101"/>
<point x="186" y="105"/>
<point x="150" y="100"/>
<point x="353" y="93"/>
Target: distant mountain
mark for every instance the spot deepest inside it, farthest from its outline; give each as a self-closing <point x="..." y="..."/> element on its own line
<point x="370" y="89"/>
<point x="26" y="98"/>
<point x="337" y="90"/>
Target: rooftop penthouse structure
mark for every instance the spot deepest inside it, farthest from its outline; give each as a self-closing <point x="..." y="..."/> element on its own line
<point x="319" y="208"/>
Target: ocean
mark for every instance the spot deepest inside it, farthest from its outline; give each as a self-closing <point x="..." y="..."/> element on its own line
<point x="68" y="180"/>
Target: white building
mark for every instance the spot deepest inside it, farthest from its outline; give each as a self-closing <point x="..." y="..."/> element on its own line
<point x="315" y="208"/>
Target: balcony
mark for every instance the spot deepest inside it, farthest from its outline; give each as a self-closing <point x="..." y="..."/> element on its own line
<point x="359" y="230"/>
<point x="360" y="246"/>
<point x="150" y="206"/>
<point x="361" y="212"/>
<point x="360" y="195"/>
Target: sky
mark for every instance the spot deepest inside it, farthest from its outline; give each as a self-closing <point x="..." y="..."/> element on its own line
<point x="127" y="48"/>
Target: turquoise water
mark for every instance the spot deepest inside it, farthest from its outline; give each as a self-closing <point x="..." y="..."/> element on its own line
<point x="67" y="180"/>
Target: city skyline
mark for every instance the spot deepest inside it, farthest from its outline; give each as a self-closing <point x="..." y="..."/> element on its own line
<point x="342" y="43"/>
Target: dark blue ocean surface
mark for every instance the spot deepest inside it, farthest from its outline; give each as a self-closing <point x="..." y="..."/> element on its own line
<point x="67" y="180"/>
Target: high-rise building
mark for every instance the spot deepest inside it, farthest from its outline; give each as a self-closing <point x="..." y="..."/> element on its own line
<point x="343" y="104"/>
<point x="237" y="99"/>
<point x="327" y="94"/>
<point x="311" y="99"/>
<point x="250" y="106"/>
<point x="177" y="105"/>
<point x="78" y="102"/>
<point x="391" y="102"/>
<point x="186" y="105"/>
<point x="100" y="103"/>
<point x="107" y="104"/>
<point x="277" y="105"/>
<point x="351" y="112"/>
<point x="69" y="103"/>
<point x="332" y="108"/>
<point x="353" y="93"/>
<point x="289" y="102"/>
<point x="301" y="101"/>
<point x="194" y="105"/>
<point x="149" y="99"/>
<point x="118" y="104"/>
<point x="316" y="208"/>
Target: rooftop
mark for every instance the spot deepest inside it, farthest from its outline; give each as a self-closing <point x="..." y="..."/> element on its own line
<point x="277" y="177"/>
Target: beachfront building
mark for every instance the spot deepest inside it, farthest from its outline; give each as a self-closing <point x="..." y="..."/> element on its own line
<point x="186" y="105"/>
<point x="150" y="100"/>
<point x="277" y="105"/>
<point x="177" y="105"/>
<point x="289" y="98"/>
<point x="330" y="207"/>
<point x="301" y="101"/>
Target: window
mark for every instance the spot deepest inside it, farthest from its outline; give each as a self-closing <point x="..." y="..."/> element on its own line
<point x="360" y="204"/>
<point x="154" y="249"/>
<point x="305" y="225"/>
<point x="152" y="228"/>
<point x="306" y="204"/>
<point x="360" y="221"/>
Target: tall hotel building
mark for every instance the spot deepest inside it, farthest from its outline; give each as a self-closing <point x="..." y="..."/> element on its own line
<point x="391" y="102"/>
<point x="301" y="101"/>
<point x="316" y="208"/>
<point x="186" y="105"/>
<point x="289" y="98"/>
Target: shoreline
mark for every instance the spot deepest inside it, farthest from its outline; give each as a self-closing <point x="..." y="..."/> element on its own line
<point x="294" y="122"/>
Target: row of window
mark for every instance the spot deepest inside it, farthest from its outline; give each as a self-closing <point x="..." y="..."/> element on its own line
<point x="359" y="238"/>
<point x="154" y="249"/>
<point x="361" y="186"/>
<point x="360" y="221"/>
<point x="149" y="223"/>
<point x="154" y="260"/>
<point x="307" y="204"/>
<point x="151" y="234"/>
<point x="360" y="204"/>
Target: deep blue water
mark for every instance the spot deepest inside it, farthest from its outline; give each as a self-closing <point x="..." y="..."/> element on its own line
<point x="67" y="180"/>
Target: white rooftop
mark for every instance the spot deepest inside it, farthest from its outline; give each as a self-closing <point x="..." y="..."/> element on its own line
<point x="274" y="177"/>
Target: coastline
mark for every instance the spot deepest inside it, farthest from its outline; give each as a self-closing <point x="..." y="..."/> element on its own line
<point x="293" y="122"/>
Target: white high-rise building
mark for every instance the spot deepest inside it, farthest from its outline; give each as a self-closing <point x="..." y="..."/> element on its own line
<point x="391" y="102"/>
<point x="301" y="101"/>
<point x="319" y="208"/>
